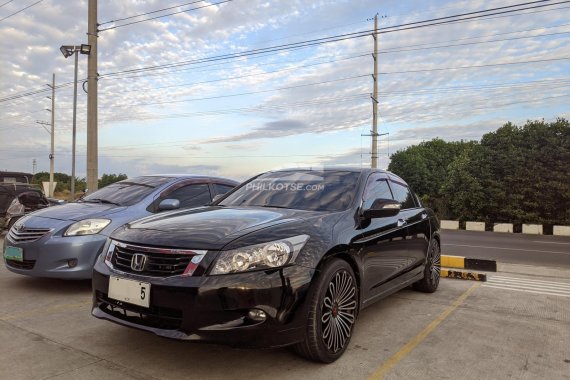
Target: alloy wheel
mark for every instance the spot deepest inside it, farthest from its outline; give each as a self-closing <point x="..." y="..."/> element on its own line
<point x="435" y="264"/>
<point x="338" y="311"/>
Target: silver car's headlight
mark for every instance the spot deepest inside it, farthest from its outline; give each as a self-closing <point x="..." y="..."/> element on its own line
<point x="268" y="255"/>
<point x="87" y="227"/>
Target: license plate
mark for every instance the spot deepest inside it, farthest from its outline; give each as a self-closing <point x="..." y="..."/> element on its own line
<point x="130" y="291"/>
<point x="14" y="253"/>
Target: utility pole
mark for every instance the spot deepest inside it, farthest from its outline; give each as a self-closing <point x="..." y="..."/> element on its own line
<point x="374" y="156"/>
<point x="92" y="145"/>
<point x="51" y="155"/>
<point x="74" y="133"/>
<point x="34" y="165"/>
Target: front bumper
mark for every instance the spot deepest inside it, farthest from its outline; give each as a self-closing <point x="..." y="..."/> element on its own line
<point x="214" y="309"/>
<point x="50" y="256"/>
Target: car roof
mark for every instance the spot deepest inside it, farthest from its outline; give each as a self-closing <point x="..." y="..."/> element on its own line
<point x="342" y="168"/>
<point x="190" y="176"/>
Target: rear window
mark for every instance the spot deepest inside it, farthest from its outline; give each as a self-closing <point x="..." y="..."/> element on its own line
<point x="127" y="192"/>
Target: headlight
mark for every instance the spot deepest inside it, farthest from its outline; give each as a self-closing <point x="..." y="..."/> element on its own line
<point x="87" y="227"/>
<point x="260" y="256"/>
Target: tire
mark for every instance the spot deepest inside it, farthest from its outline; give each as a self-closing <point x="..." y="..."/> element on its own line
<point x="333" y="308"/>
<point x="432" y="270"/>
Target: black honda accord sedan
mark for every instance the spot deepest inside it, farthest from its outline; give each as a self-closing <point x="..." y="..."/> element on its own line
<point x="289" y="257"/>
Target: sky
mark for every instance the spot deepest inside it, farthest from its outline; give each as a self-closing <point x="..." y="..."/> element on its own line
<point x="294" y="107"/>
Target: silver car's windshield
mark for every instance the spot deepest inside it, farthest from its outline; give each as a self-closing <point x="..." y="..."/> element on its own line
<point x="127" y="192"/>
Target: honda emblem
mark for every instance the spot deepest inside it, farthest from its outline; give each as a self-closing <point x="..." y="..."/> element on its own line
<point x="138" y="262"/>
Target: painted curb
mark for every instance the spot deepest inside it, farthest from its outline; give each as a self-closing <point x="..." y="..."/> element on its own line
<point x="461" y="262"/>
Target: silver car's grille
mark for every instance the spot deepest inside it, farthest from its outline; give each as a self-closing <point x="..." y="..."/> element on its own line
<point x="26" y="235"/>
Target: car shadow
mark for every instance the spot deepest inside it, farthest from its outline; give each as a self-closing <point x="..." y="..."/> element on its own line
<point x="51" y="286"/>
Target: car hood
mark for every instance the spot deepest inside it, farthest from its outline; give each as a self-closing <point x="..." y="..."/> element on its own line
<point x="209" y="228"/>
<point x="78" y="211"/>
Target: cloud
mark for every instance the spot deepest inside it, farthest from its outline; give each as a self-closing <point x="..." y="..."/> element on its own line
<point x="308" y="92"/>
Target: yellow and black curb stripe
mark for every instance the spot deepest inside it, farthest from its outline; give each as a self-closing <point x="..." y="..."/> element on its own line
<point x="468" y="263"/>
<point x="463" y="275"/>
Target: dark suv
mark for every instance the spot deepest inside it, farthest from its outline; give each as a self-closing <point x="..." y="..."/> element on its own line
<point x="287" y="258"/>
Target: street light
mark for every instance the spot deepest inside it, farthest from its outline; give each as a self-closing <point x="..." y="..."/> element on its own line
<point x="68" y="51"/>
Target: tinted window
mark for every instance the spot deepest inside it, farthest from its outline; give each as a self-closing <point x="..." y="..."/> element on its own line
<point x="127" y="192"/>
<point x="192" y="195"/>
<point x="377" y="187"/>
<point x="403" y="195"/>
<point x="302" y="190"/>
<point x="222" y="189"/>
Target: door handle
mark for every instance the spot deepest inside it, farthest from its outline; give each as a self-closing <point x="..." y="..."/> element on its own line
<point x="424" y="215"/>
<point x="401" y="222"/>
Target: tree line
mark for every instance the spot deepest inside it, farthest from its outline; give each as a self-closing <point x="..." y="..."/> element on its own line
<point x="516" y="174"/>
<point x="64" y="181"/>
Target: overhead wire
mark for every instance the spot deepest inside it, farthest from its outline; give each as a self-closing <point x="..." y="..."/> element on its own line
<point x="162" y="16"/>
<point x="320" y="41"/>
<point x="21" y="10"/>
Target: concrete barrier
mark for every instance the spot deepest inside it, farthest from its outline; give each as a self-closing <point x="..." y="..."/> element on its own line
<point x="475" y="226"/>
<point x="460" y="262"/>
<point x="503" y="227"/>
<point x="532" y="229"/>
<point x="449" y="224"/>
<point x="561" y="230"/>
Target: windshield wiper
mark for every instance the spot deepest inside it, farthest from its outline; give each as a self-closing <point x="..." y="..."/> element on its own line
<point x="99" y="200"/>
<point x="273" y="206"/>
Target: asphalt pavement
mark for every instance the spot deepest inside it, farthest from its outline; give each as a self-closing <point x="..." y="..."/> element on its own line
<point x="541" y="250"/>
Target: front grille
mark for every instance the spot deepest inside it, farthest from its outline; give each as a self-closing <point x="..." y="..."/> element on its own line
<point x="26" y="264"/>
<point x="157" y="264"/>
<point x="157" y="317"/>
<point x="27" y="235"/>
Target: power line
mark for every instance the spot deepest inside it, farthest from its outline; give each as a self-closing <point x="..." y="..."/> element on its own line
<point x="245" y="76"/>
<point x="21" y="10"/>
<point x="325" y="40"/>
<point x="509" y="15"/>
<point x="149" y="13"/>
<point x="16" y="96"/>
<point x="473" y="66"/>
<point x="242" y="93"/>
<point x="6" y="3"/>
<point x="162" y="16"/>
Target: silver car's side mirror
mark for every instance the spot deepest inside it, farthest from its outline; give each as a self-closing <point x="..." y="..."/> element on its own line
<point x="168" y="204"/>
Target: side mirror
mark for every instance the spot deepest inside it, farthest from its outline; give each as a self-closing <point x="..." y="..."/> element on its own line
<point x="380" y="208"/>
<point x="217" y="198"/>
<point x="168" y="204"/>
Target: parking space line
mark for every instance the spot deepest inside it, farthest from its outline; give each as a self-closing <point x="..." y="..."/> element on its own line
<point x="415" y="341"/>
<point x="44" y="310"/>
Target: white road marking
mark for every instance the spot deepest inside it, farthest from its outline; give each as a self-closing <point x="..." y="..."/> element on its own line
<point x="525" y="280"/>
<point x="516" y="284"/>
<point x="508" y="249"/>
<point x="527" y="291"/>
<point x="549" y="242"/>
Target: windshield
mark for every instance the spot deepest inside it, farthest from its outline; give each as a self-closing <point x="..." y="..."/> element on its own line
<point x="328" y="190"/>
<point x="127" y="192"/>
